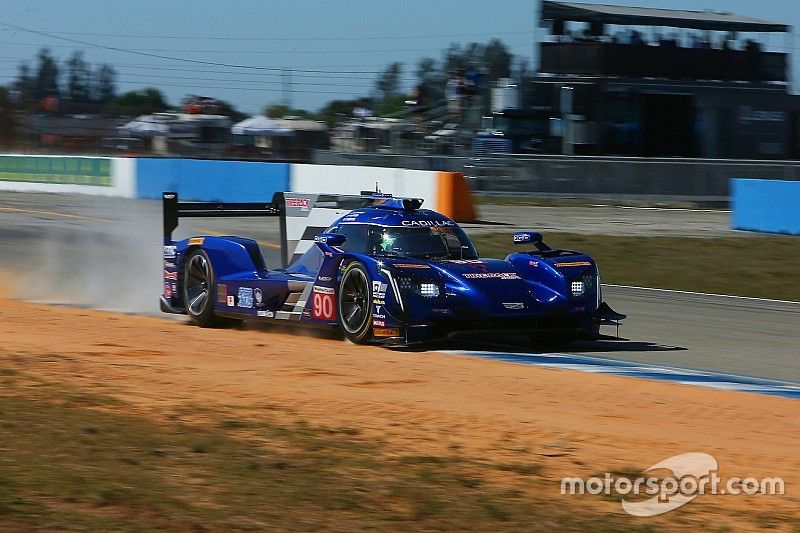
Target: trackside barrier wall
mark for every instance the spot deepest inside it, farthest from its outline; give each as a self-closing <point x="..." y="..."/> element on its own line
<point x="446" y="192"/>
<point x="228" y="181"/>
<point x="211" y="180"/>
<point x="96" y="176"/>
<point x="769" y="206"/>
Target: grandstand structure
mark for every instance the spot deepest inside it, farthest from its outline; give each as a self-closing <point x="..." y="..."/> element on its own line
<point x="663" y="82"/>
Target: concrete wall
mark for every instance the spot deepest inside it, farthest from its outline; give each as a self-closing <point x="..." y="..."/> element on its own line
<point x="354" y="179"/>
<point x="211" y="180"/>
<point x="770" y="206"/>
<point x="228" y="181"/>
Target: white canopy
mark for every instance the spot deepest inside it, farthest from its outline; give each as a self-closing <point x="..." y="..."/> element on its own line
<point x="147" y="126"/>
<point x="261" y="126"/>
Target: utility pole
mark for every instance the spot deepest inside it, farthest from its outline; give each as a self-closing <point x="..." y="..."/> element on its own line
<point x="286" y="87"/>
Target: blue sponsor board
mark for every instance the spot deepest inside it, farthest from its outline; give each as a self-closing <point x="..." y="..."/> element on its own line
<point x="211" y="180"/>
<point x="769" y="206"/>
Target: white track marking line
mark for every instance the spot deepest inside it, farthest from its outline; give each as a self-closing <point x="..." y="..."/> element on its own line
<point x="751" y="298"/>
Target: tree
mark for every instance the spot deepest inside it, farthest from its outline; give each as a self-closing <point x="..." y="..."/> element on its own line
<point x="282" y="110"/>
<point x="104" y="87"/>
<point x="78" y="79"/>
<point x="140" y="102"/>
<point x="25" y="83"/>
<point x="227" y="109"/>
<point x="46" y="76"/>
<point x="388" y="83"/>
<point x="391" y="105"/>
<point x="497" y="60"/>
<point x="337" y="108"/>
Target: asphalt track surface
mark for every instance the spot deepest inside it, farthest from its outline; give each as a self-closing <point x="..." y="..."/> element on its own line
<point x="106" y="253"/>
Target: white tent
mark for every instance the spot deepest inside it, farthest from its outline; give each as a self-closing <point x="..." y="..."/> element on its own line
<point x="261" y="126"/>
<point x="147" y="126"/>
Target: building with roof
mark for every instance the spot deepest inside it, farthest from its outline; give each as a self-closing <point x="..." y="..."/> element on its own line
<point x="663" y="82"/>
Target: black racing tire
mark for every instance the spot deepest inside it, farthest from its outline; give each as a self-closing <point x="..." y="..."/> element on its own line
<point x="199" y="290"/>
<point x="355" y="304"/>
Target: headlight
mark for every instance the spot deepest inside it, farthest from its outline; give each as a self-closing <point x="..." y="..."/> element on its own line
<point x="429" y="290"/>
<point x="578" y="287"/>
<point x="425" y="288"/>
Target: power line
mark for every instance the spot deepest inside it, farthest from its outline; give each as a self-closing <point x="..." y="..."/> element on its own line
<point x="260" y="52"/>
<point x="168" y="58"/>
<point x="290" y="39"/>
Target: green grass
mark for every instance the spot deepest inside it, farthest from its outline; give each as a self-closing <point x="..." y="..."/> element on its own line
<point x="584" y="202"/>
<point x="74" y="461"/>
<point x="761" y="266"/>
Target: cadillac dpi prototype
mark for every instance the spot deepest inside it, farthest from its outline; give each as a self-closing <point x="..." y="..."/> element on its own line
<point x="381" y="270"/>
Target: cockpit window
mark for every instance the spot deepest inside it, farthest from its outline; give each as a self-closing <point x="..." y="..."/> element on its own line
<point x="425" y="242"/>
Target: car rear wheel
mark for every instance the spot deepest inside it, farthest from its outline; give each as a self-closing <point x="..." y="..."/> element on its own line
<point x="198" y="290"/>
<point x="355" y="304"/>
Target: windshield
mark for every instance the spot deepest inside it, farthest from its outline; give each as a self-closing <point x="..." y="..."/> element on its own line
<point x="443" y="242"/>
<point x="424" y="242"/>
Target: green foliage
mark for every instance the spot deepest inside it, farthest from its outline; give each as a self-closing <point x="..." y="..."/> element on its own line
<point x="336" y="108"/>
<point x="391" y="105"/>
<point x="140" y="102"/>
<point x="282" y="110"/>
<point x="388" y="82"/>
<point x="227" y="109"/>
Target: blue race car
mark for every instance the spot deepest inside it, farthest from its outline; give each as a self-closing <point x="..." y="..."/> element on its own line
<point x="381" y="270"/>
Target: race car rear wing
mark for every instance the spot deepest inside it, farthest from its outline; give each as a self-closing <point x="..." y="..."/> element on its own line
<point x="301" y="216"/>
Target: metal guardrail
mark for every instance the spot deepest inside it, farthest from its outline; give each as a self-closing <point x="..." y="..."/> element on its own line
<point x="703" y="180"/>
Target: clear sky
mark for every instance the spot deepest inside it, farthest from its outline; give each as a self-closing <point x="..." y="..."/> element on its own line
<point x="336" y="46"/>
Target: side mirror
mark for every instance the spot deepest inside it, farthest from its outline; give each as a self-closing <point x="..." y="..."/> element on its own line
<point x="525" y="237"/>
<point x="331" y="239"/>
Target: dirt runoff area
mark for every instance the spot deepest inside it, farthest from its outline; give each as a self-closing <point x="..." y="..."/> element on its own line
<point x="503" y="435"/>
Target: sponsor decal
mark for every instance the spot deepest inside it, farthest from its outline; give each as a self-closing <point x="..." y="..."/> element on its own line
<point x="379" y="317"/>
<point x="533" y="263"/>
<point x="302" y="203"/>
<point x="245" y="297"/>
<point x="324" y="278"/>
<point x="514" y="305"/>
<point x="521" y="237"/>
<point x="230" y="301"/>
<point x="322" y="305"/>
<point x="379" y="290"/>
<point x="428" y="223"/>
<point x="167" y="291"/>
<point x="442" y="311"/>
<point x="380" y="323"/>
<point x="196" y="241"/>
<point x="573" y="264"/>
<point x="169" y="264"/>
<point x="324" y="290"/>
<point x="411" y="265"/>
<point x="477" y="264"/>
<point x="171" y="275"/>
<point x="492" y="275"/>
<point x="379" y="301"/>
<point x="259" y="297"/>
<point x="222" y="293"/>
<point x="169" y="252"/>
<point x="267" y="314"/>
<point x="386" y="332"/>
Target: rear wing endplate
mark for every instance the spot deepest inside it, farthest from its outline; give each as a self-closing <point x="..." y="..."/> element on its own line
<point x="301" y="215"/>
